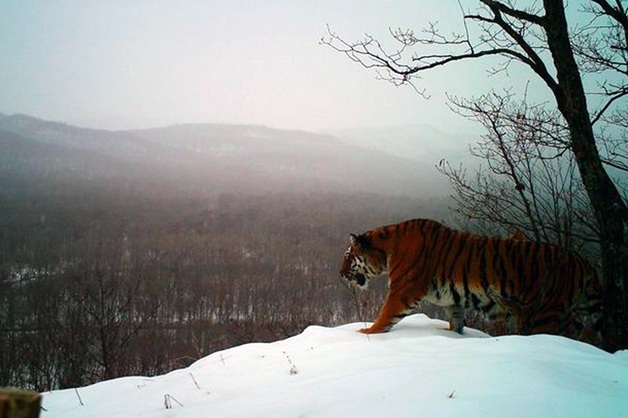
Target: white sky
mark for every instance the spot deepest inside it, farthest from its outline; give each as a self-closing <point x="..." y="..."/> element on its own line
<point x="126" y="64"/>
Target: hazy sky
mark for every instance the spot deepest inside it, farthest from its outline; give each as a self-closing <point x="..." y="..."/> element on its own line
<point x="137" y="63"/>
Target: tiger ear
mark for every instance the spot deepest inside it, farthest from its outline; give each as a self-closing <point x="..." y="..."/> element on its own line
<point x="353" y="239"/>
<point x="358" y="241"/>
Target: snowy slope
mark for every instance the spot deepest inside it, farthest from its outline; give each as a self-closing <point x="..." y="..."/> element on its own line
<point x="417" y="370"/>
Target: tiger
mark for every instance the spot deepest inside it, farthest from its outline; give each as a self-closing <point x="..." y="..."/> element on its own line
<point x="546" y="288"/>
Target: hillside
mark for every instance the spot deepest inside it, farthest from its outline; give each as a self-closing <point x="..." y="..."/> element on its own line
<point x="418" y="369"/>
<point x="209" y="159"/>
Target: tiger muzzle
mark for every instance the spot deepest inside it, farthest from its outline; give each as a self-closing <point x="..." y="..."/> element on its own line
<point x="356" y="280"/>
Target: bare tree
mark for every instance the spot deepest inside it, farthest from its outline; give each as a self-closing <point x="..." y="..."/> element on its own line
<point x="538" y="37"/>
<point x="530" y="182"/>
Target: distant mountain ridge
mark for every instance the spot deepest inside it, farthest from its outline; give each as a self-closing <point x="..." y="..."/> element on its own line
<point x="214" y="158"/>
<point x="420" y="142"/>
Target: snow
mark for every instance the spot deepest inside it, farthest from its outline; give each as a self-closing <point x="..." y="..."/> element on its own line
<point x="417" y="369"/>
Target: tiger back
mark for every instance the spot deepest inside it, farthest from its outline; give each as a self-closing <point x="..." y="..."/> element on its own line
<point x="546" y="289"/>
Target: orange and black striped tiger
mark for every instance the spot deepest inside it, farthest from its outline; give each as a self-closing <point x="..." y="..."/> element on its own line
<point x="547" y="290"/>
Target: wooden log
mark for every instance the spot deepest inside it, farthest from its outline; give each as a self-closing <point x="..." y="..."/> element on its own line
<point x="19" y="403"/>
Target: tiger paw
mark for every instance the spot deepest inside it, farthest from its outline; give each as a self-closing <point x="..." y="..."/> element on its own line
<point x="372" y="330"/>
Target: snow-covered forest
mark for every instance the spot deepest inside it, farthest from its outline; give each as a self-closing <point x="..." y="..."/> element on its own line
<point x="147" y="291"/>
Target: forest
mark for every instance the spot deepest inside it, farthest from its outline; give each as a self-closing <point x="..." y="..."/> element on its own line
<point x="137" y="252"/>
<point x="102" y="282"/>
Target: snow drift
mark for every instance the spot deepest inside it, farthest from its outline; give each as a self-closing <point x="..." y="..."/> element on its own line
<point x="418" y="369"/>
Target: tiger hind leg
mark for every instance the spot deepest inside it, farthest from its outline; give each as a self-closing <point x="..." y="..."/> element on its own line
<point x="455" y="315"/>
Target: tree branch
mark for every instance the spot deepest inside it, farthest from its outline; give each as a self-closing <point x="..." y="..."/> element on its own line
<point x="518" y="14"/>
<point x="607" y="105"/>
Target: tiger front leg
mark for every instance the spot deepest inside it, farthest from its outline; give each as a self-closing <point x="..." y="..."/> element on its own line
<point x="395" y="308"/>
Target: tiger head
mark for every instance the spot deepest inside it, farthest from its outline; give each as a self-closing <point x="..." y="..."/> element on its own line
<point x="362" y="262"/>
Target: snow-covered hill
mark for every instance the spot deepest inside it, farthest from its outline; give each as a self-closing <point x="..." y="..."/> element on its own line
<point x="418" y="369"/>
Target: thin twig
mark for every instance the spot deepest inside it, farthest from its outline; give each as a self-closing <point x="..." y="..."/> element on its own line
<point x="195" y="382"/>
<point x="79" y="396"/>
<point x="168" y="398"/>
